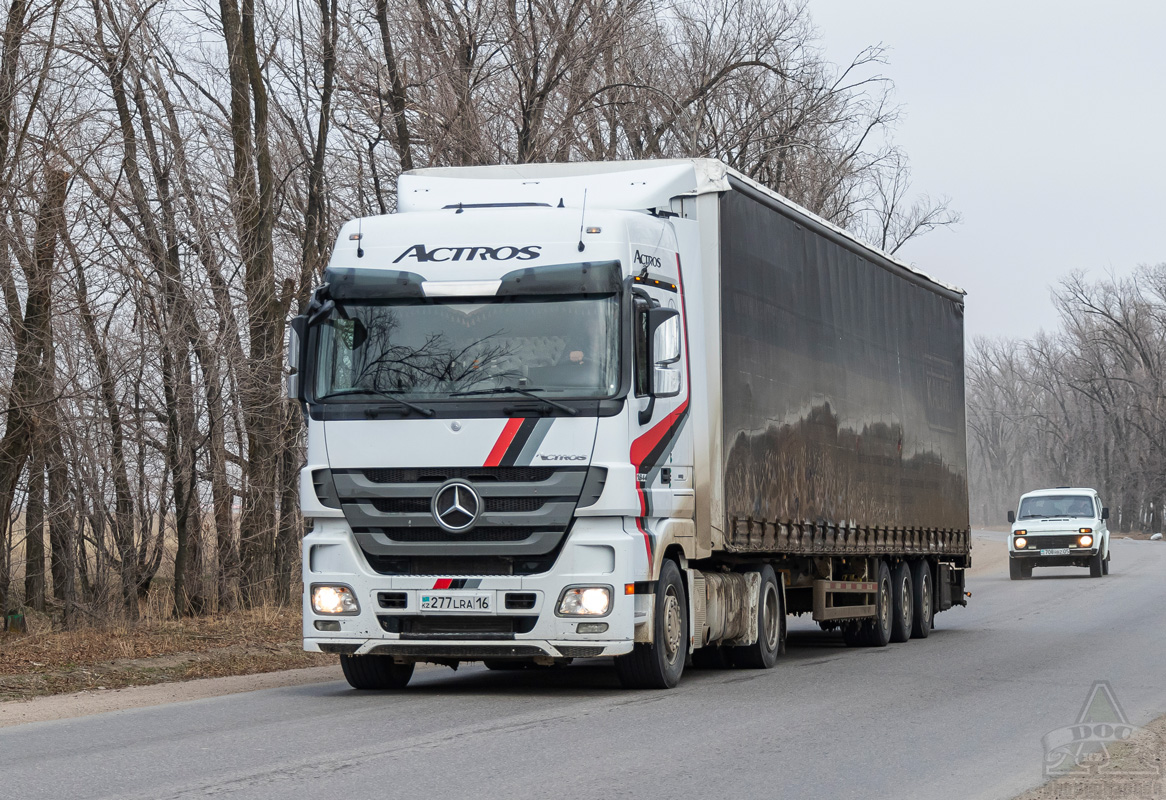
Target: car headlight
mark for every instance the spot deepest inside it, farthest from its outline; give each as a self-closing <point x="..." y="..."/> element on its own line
<point x="585" y="601"/>
<point x="1085" y="541"/>
<point x="1020" y="542"/>
<point x="334" y="600"/>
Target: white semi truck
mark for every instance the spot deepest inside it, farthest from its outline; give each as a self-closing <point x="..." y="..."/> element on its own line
<point x="641" y="410"/>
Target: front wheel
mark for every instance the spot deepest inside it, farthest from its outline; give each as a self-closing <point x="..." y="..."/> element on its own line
<point x="659" y="664"/>
<point x="1095" y="566"/>
<point x="1105" y="565"/>
<point x="375" y="673"/>
<point x="1018" y="569"/>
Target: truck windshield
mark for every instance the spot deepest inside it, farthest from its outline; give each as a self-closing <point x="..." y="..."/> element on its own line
<point x="1060" y="505"/>
<point x="563" y="346"/>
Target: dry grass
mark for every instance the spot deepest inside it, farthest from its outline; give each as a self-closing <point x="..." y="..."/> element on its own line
<point x="47" y="661"/>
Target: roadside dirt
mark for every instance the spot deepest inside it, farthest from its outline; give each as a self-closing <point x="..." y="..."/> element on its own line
<point x="1127" y="771"/>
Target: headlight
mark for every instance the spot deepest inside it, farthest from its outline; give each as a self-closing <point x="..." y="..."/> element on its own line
<point x="585" y="601"/>
<point x="1020" y="542"/>
<point x="334" y="600"/>
<point x="1085" y="541"/>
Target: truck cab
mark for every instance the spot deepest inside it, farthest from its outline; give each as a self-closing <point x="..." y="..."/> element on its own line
<point x="1062" y="527"/>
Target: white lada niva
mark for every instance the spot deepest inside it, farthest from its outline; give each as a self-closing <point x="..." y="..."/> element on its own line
<point x="1059" y="527"/>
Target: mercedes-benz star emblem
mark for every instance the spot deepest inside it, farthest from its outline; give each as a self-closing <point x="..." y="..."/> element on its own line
<point x="456" y="506"/>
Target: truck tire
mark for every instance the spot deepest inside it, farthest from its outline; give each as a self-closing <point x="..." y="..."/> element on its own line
<point x="374" y="673"/>
<point x="874" y="632"/>
<point x="1095" y="566"/>
<point x="903" y="602"/>
<point x="770" y="643"/>
<point x="660" y="664"/>
<point x="923" y="596"/>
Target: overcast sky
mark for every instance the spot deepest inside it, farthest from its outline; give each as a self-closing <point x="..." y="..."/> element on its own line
<point x="1045" y="123"/>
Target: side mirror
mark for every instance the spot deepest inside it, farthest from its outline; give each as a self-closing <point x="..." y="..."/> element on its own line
<point x="1105" y="512"/>
<point x="1011" y="517"/>
<point x="664" y="325"/>
<point x="296" y="339"/>
<point x="664" y="330"/>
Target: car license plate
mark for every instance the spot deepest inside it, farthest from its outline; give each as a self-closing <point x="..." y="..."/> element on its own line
<point x="461" y="602"/>
<point x="1055" y="551"/>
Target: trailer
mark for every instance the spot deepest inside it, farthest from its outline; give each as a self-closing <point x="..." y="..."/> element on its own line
<point x="642" y="410"/>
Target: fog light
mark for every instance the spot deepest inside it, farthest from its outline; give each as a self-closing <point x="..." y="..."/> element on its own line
<point x="585" y="601"/>
<point x="1086" y="541"/>
<point x="334" y="600"/>
<point x="327" y="624"/>
<point x="1021" y="543"/>
<point x="591" y="627"/>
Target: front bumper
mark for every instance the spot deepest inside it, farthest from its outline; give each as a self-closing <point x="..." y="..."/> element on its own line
<point x="1076" y="557"/>
<point x="598" y="552"/>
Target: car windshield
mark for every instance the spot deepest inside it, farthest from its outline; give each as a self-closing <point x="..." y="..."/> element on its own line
<point x="563" y="346"/>
<point x="1057" y="505"/>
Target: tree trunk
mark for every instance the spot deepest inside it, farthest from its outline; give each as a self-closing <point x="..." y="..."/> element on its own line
<point x="34" y="533"/>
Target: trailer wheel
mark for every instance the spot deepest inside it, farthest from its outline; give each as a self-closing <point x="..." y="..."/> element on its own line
<point x="660" y="664"/>
<point x="924" y="615"/>
<point x="374" y="673"/>
<point x="770" y="643"/>
<point x="903" y="602"/>
<point x="874" y="632"/>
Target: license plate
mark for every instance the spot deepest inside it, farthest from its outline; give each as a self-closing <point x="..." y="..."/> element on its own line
<point x="462" y="602"/>
<point x="1055" y="551"/>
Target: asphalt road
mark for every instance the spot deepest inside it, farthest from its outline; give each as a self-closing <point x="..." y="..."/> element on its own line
<point x="959" y="715"/>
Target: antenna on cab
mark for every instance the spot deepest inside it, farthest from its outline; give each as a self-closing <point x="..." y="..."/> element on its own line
<point x="581" y="215"/>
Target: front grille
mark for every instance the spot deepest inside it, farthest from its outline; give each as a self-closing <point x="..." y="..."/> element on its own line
<point x="496" y="505"/>
<point x="474" y="627"/>
<point x="393" y="599"/>
<point x="460" y="566"/>
<point x="1037" y="541"/>
<point x="442" y="474"/>
<point x="480" y="534"/>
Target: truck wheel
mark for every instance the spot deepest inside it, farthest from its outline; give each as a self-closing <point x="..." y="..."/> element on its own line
<point x="903" y="602"/>
<point x="659" y="665"/>
<point x="924" y="612"/>
<point x="770" y="643"/>
<point x="1095" y="566"/>
<point x="874" y="632"/>
<point x="375" y="672"/>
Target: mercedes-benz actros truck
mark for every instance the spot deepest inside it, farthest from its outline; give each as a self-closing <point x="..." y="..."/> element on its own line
<point x="638" y="410"/>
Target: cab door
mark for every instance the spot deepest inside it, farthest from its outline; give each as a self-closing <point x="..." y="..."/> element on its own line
<point x="661" y="435"/>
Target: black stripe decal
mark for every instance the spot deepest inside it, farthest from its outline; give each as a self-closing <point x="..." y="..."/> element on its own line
<point x="520" y="438"/>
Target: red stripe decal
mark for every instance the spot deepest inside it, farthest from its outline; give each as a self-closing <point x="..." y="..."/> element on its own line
<point x="504" y="440"/>
<point x="443" y="583"/>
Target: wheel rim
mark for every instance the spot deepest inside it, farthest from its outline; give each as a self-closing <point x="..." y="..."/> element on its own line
<point x="926" y="600"/>
<point x="672" y="625"/>
<point x="771" y="622"/>
<point x="906" y="600"/>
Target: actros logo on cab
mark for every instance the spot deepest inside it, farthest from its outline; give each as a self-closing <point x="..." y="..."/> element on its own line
<point x="421" y="255"/>
<point x="645" y="260"/>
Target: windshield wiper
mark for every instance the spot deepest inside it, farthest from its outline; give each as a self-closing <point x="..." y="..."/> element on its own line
<point x="425" y="412"/>
<point x="517" y="390"/>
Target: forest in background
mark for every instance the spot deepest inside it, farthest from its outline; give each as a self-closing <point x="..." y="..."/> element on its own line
<point x="1084" y="405"/>
<point x="172" y="174"/>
